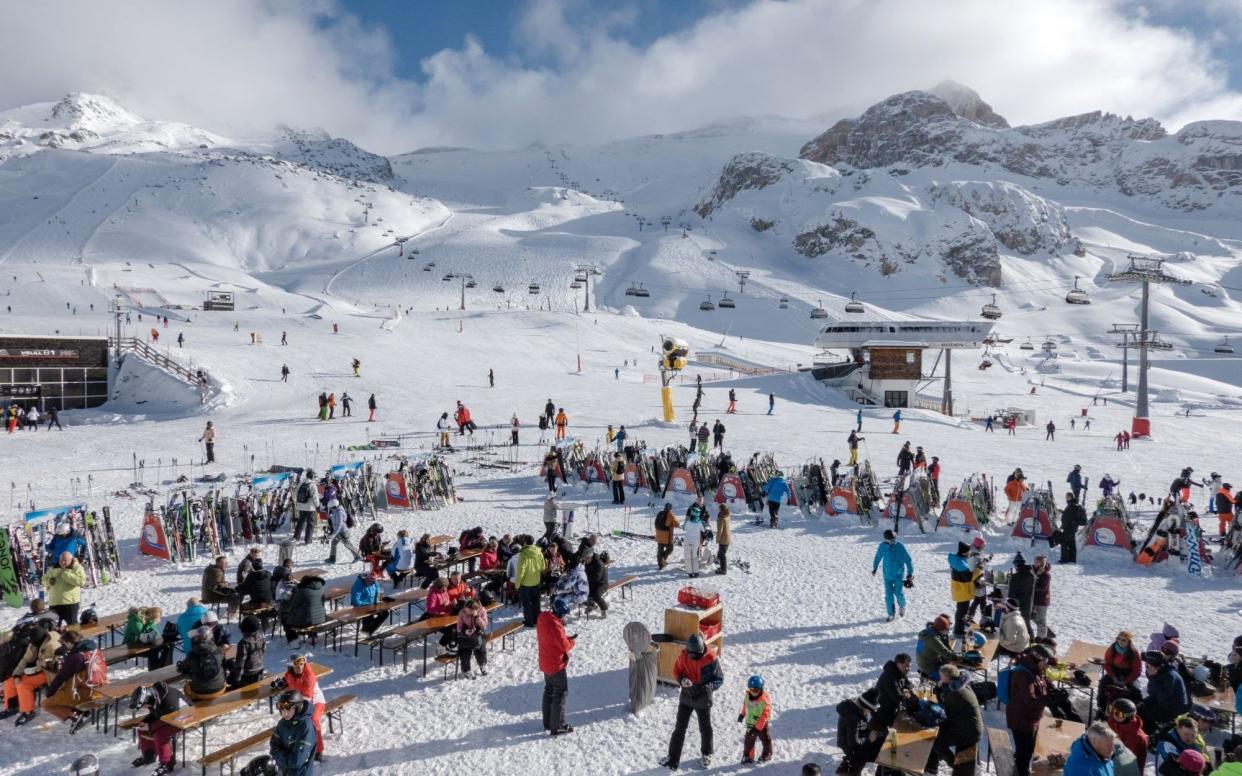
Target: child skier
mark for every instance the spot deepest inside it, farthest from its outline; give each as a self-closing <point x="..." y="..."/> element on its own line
<point x="756" y="711"/>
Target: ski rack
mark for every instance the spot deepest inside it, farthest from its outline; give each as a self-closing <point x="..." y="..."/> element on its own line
<point x="24" y="549"/>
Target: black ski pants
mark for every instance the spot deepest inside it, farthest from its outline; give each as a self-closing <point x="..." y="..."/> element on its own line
<point x="679" y="733"/>
<point x="618" y="491"/>
<point x="555" y="688"/>
<point x="960" y="615"/>
<point x="211" y="452"/>
<point x="722" y="557"/>
<point x="662" y="553"/>
<point x="529" y="596"/>
<point x="1023" y="751"/>
<point x="304" y="526"/>
<point x="68" y="613"/>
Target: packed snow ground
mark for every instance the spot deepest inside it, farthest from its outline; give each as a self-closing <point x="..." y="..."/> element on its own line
<point x="808" y="617"/>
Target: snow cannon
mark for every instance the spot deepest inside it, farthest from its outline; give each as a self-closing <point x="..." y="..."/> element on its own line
<point x="673" y="354"/>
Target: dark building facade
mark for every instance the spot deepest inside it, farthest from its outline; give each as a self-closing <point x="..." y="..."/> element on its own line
<point x="68" y="373"/>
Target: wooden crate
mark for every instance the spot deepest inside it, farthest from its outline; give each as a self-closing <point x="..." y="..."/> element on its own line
<point x="681" y="622"/>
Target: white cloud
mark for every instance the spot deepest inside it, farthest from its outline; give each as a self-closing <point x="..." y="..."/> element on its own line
<point x="241" y="67"/>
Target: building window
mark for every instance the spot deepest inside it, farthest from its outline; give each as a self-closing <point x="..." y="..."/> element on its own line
<point x="896" y="399"/>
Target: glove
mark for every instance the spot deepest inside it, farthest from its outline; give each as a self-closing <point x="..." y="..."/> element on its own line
<point x="741" y="717"/>
<point x="909" y="582"/>
<point x="873" y="572"/>
<point x="687" y="683"/>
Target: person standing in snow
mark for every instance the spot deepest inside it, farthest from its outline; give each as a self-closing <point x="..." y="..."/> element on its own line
<point x="442" y="427"/>
<point x="549" y="411"/>
<point x="306" y="512"/>
<point x="1073" y="517"/>
<point x="284" y="373"/>
<point x="357" y="365"/>
<point x="756" y="713"/>
<point x="622" y="435"/>
<point x="704" y="434"/>
<point x="180" y="340"/>
<point x="347" y="405"/>
<point x="514" y="425"/>
<point x="905" y="460"/>
<point x="898" y="571"/>
<point x="1051" y="432"/>
<point x="331" y="406"/>
<point x="338" y="524"/>
<point x="858" y="420"/>
<point x="897" y="422"/>
<point x="771" y="402"/>
<point x="692" y="537"/>
<point x="698" y="672"/>
<point x="32" y="420"/>
<point x="554" y="648"/>
<point x="209" y="440"/>
<point x="543" y="430"/>
<point x="53" y="417"/>
<point x="371" y="407"/>
<point x="718" y="432"/>
<point x="284" y="338"/>
<point x="776" y="490"/>
<point x="491" y="379"/>
<point x="853" y="441"/>
<point x="732" y="410"/>
<point x="988" y="424"/>
<point x="962" y="575"/>
<point x="1075" y="481"/>
<point x="617" y="474"/>
<point x="562" y="422"/>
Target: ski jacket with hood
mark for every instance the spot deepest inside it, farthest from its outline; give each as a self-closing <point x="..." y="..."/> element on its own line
<point x="306" y="603"/>
<point x="1028" y="696"/>
<point x="293" y="743"/>
<point x="777" y="490"/>
<point x="64" y="586"/>
<point x="895" y="560"/>
<point x="554" y="644"/>
<point x="530" y="566"/>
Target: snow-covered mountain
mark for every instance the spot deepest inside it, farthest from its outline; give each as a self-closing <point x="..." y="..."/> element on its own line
<point x="927" y="203"/>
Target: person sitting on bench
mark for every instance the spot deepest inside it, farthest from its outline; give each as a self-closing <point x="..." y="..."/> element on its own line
<point x="425" y="557"/>
<point x="305" y="608"/>
<point x="215" y="589"/>
<point x="439" y="604"/>
<point x="246" y="666"/>
<point x="489" y="558"/>
<point x="366" y="592"/>
<point x="371" y="545"/>
<point x="81" y="671"/>
<point x="402" y="561"/>
<point x="155" y="737"/>
<point x="457" y="588"/>
<point x="256" y="590"/>
<point x="204" y="667"/>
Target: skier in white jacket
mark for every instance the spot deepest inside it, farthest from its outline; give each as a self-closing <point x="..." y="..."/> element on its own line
<point x="340" y="531"/>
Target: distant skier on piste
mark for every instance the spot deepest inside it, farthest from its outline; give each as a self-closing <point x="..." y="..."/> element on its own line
<point x="357" y="365"/>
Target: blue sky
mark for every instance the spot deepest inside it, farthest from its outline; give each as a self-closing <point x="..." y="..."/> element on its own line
<point x="420" y="28"/>
<point x="395" y="75"/>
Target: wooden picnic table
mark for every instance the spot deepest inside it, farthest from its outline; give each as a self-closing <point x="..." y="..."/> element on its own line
<point x="298" y="575"/>
<point x="424" y="629"/>
<point x="110" y="625"/>
<point x="461" y="557"/>
<point x="117" y="692"/>
<point x="203" y="713"/>
<point x="1089" y="658"/>
<point x="354" y="615"/>
<point x="439" y="539"/>
<point x="1056" y="736"/>
<point x="1222" y="701"/>
<point x="914" y="746"/>
<point x="988" y="651"/>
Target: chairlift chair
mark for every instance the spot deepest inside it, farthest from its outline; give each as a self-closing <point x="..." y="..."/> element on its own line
<point x="1076" y="295"/>
<point x="784" y="303"/>
<point x="1049" y="345"/>
<point x="533" y="288"/>
<point x="1224" y="347"/>
<point x="575" y="285"/>
<point x="990" y="310"/>
<point x="819" y="311"/>
<point x="707" y="306"/>
<point x="641" y="292"/>
<point x="498" y="288"/>
<point x="1026" y="345"/>
<point x="447" y="277"/>
<point x="632" y="290"/>
<point x="471" y="284"/>
<point x="852" y="306"/>
<point x="580" y="278"/>
<point x="726" y="303"/>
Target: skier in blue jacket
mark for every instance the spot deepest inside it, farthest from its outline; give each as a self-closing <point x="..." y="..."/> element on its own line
<point x="366" y="592"/>
<point x="66" y="539"/>
<point x="190" y="619"/>
<point x="293" y="743"/>
<point x="898" y="568"/>
<point x="776" y="491"/>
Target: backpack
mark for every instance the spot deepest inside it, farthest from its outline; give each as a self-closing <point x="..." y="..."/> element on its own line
<point x="208" y="666"/>
<point x="96" y="669"/>
<point x="1003" y="679"/>
<point x="305" y="493"/>
<point x="661" y="521"/>
<point x="929" y="714"/>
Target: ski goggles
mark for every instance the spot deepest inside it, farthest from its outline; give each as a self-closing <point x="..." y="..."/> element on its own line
<point x="285" y="706"/>
<point x="1120" y="716"/>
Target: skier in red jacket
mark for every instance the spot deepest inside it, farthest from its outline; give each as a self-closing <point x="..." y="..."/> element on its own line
<point x="554" y="648"/>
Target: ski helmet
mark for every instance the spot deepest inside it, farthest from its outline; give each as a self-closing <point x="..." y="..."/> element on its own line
<point x="754" y="683"/>
<point x="261" y="766"/>
<point x="695" y="645"/>
<point x="376" y="528"/>
<point x="289" y="698"/>
<point x="560" y="607"/>
<point x="1123" y="708"/>
<point x="86" y="765"/>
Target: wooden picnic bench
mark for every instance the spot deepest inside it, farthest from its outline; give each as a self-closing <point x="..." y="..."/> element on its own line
<point x="109" y="625"/>
<point x="400" y="638"/>
<point x="408" y="597"/>
<point x="354" y="615"/>
<point x="333" y="712"/>
<point x="121" y="653"/>
<point x="113" y="694"/>
<point x="203" y="713"/>
<point x="503" y="632"/>
<point x="622" y="584"/>
<point x="446" y="564"/>
<point x="907" y="747"/>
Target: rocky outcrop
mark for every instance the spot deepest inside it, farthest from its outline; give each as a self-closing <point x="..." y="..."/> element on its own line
<point x="752" y="170"/>
<point x="317" y="149"/>
<point x="1024" y="223"/>
<point x="1199" y="167"/>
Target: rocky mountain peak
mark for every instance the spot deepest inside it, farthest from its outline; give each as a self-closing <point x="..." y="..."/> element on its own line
<point x="967" y="103"/>
<point x="79" y="110"/>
